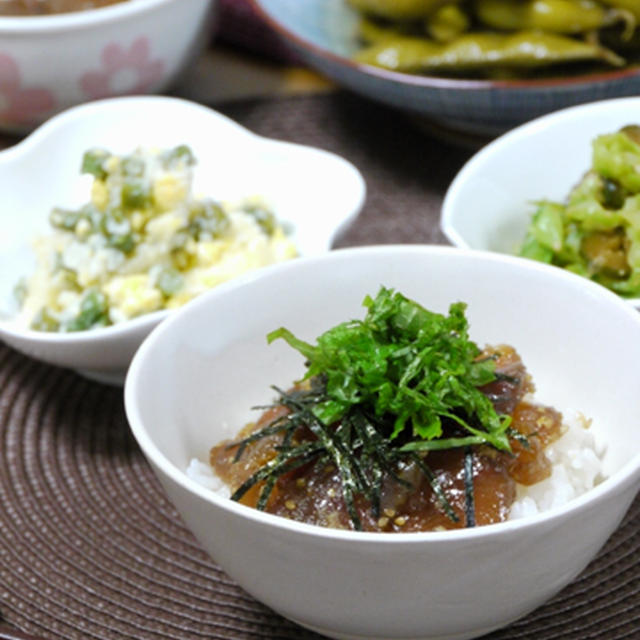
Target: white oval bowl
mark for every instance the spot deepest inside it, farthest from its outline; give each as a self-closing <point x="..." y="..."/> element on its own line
<point x="52" y="62"/>
<point x="194" y="379"/>
<point x="489" y="203"/>
<point x="314" y="192"/>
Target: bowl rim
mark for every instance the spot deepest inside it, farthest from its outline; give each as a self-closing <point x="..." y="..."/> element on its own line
<point x="27" y="25"/>
<point x="437" y="82"/>
<point x="618" y="481"/>
<point x="518" y="136"/>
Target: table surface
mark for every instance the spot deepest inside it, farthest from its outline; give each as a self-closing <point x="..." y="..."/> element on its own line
<point x="90" y="547"/>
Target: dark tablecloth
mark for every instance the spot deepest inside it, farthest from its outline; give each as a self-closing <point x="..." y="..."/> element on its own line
<point x="90" y="547"/>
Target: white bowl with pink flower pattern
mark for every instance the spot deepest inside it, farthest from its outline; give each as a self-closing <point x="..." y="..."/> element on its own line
<point x="51" y="62"/>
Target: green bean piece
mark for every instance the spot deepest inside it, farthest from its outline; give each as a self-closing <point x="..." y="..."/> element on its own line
<point x="484" y="51"/>
<point x="44" y="320"/>
<point x="398" y="9"/>
<point x="208" y="220"/>
<point x="64" y="218"/>
<point x="68" y="278"/>
<point x="93" y="162"/>
<point x="125" y="242"/>
<point x="181" y="258"/>
<point x="557" y="16"/>
<point x="264" y="217"/>
<point x="133" y="166"/>
<point x="94" y="312"/>
<point x="116" y="228"/>
<point x="169" y="281"/>
<point x="181" y="154"/>
<point x="135" y="193"/>
<point x="447" y="23"/>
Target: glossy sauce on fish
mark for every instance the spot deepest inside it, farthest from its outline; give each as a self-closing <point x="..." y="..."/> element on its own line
<point x="408" y="503"/>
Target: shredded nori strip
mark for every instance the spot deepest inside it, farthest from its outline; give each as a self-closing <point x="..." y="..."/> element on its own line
<point x="470" y="509"/>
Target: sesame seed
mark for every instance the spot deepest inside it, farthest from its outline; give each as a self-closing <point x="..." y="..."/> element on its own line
<point x="400" y="521"/>
<point x="290" y="504"/>
<point x="383" y="522"/>
<point x="390" y="513"/>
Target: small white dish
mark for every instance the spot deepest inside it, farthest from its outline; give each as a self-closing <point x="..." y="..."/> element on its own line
<point x="314" y="192"/>
<point x="489" y="204"/>
<point x="454" y="585"/>
<point x="52" y="62"/>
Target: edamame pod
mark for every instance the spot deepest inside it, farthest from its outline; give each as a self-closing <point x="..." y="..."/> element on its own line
<point x="398" y="9"/>
<point x="483" y="51"/>
<point x="447" y="23"/>
<point x="557" y="16"/>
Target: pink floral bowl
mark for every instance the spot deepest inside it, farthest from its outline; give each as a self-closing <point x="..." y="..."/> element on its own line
<point x="51" y="62"/>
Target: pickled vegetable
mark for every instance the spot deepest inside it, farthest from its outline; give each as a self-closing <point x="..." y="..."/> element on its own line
<point x="596" y="231"/>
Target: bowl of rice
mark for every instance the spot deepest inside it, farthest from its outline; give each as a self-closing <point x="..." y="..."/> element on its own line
<point x="341" y="572"/>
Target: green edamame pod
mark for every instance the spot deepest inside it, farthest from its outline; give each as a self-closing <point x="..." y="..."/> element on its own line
<point x="557" y="16"/>
<point x="398" y="9"/>
<point x="93" y="162"/>
<point x="483" y="51"/>
<point x="447" y="23"/>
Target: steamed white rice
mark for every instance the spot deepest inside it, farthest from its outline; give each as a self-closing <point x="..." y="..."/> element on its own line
<point x="576" y="467"/>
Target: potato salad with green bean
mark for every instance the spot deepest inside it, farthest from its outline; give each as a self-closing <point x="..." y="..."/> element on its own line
<point x="498" y="39"/>
<point x="143" y="242"/>
<point x="595" y="231"/>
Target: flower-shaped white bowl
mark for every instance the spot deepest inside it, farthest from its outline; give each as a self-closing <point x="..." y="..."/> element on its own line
<point x="49" y="63"/>
<point x="490" y="202"/>
<point x="194" y="379"/>
<point x="314" y="192"/>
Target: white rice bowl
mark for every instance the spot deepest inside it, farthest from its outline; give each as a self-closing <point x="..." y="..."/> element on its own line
<point x="193" y="381"/>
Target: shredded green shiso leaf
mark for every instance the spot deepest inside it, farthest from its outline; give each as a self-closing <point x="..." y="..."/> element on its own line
<point x="384" y="389"/>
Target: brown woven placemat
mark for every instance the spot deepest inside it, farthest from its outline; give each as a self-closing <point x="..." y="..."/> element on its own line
<point x="90" y="547"/>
